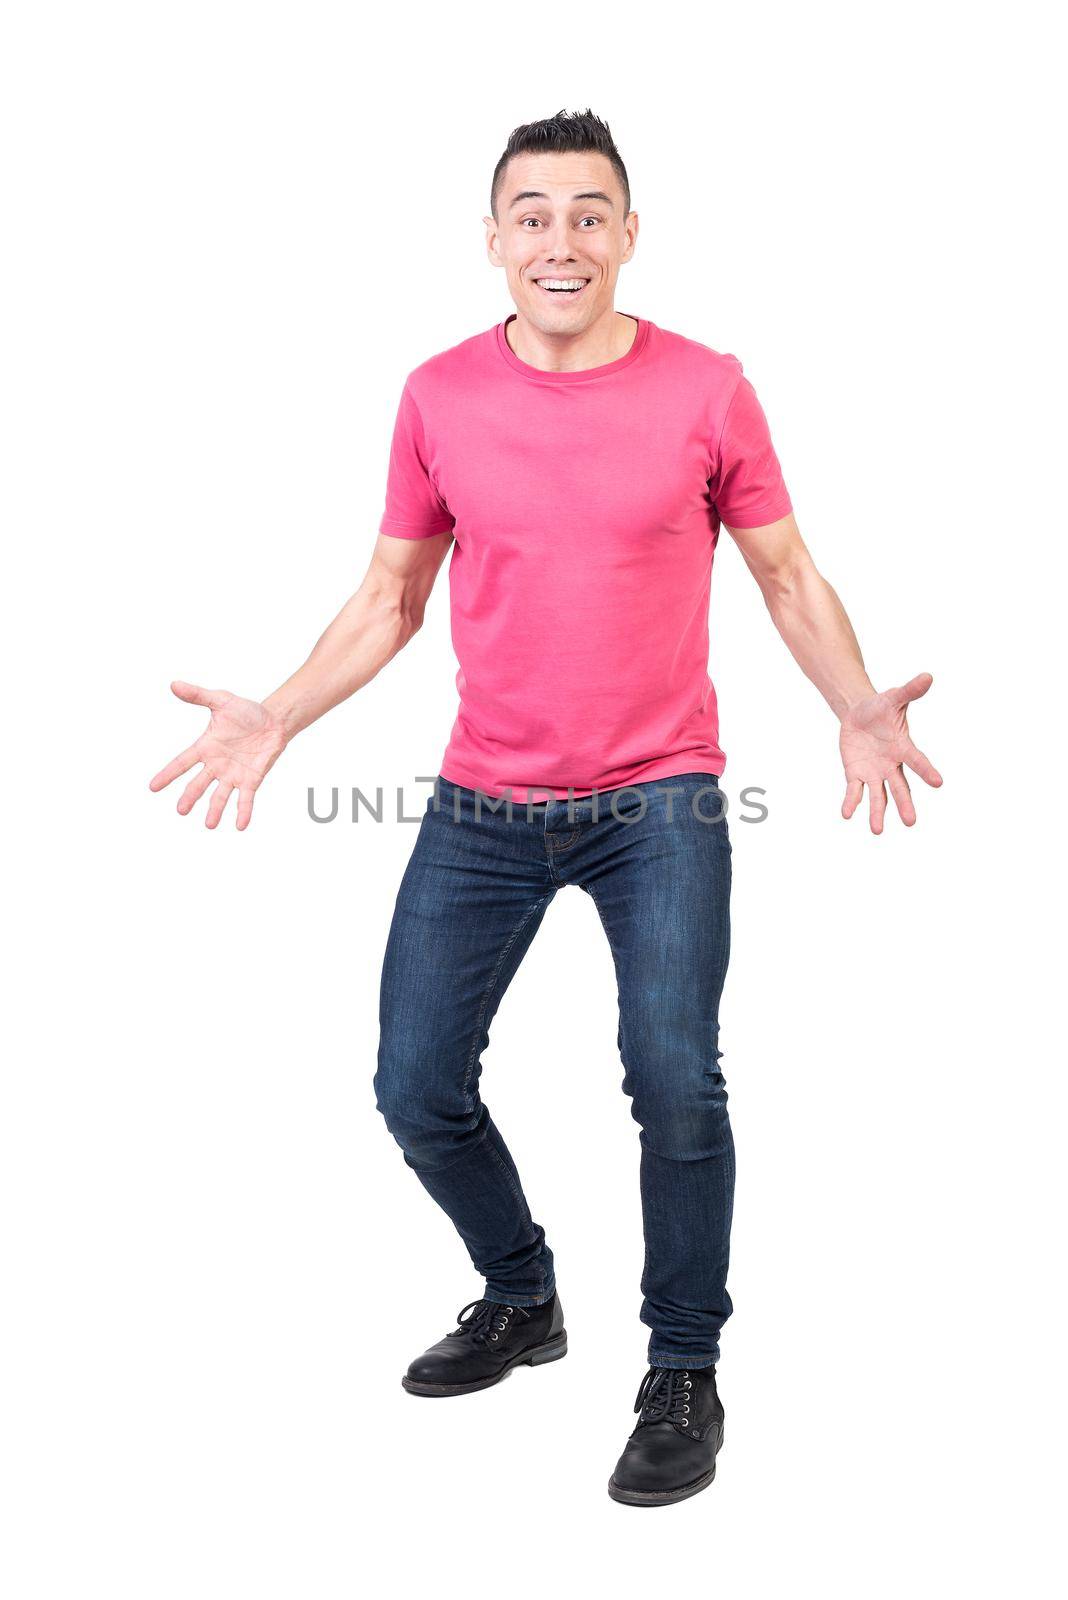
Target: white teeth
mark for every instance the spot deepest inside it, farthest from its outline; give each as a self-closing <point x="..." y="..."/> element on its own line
<point x="562" y="283"/>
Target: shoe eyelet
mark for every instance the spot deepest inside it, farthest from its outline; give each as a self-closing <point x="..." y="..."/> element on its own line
<point x="687" y="1384"/>
<point x="685" y="1422"/>
<point x="493" y="1336"/>
<point x="686" y="1409"/>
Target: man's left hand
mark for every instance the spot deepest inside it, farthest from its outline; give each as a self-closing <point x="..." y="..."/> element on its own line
<point x="876" y="747"/>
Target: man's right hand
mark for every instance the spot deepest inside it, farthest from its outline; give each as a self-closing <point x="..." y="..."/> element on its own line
<point x="238" y="748"/>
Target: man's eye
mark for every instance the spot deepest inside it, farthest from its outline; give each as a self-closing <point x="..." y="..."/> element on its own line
<point x="591" y="219"/>
<point x="526" y="220"/>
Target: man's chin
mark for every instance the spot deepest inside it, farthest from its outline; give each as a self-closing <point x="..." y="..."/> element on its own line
<point x="575" y="318"/>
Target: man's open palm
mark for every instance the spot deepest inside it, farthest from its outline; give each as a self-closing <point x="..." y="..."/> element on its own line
<point x="876" y="746"/>
<point x="238" y="748"/>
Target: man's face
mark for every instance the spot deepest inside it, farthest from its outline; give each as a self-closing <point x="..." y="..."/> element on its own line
<point x="561" y="221"/>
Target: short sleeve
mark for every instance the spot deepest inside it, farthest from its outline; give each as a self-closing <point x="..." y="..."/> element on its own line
<point x="414" y="509"/>
<point x="748" y="489"/>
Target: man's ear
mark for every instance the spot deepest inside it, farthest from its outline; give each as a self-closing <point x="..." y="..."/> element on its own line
<point x="491" y="242"/>
<point x="631" y="227"/>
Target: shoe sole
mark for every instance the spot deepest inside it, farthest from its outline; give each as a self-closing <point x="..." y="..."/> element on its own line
<point x="667" y="1497"/>
<point x="552" y="1351"/>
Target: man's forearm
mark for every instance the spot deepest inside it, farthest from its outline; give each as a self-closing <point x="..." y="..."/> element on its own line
<point x="367" y="632"/>
<point x="817" y="632"/>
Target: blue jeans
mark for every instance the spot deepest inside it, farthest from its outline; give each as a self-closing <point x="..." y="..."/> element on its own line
<point x="657" y="865"/>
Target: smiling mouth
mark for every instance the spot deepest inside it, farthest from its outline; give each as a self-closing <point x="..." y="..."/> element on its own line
<point x="561" y="288"/>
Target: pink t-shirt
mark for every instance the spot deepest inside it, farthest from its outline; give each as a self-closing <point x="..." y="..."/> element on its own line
<point x="586" y="508"/>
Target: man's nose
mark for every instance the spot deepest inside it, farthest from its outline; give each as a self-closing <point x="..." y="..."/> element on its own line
<point x="559" y="247"/>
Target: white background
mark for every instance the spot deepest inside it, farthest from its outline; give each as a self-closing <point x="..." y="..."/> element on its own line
<point x="232" y="230"/>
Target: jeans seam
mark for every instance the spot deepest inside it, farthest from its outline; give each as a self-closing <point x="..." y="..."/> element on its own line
<point x="491" y="985"/>
<point x="508" y="1176"/>
<point x="600" y="914"/>
<point x="619" y="1000"/>
<point x="521" y="1197"/>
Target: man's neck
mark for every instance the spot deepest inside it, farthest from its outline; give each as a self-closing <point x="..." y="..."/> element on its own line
<point x="608" y="339"/>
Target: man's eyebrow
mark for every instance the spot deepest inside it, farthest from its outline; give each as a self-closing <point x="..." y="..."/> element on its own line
<point x="535" y="194"/>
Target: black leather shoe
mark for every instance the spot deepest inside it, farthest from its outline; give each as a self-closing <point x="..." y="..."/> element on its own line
<point x="672" y="1452"/>
<point x="487" y="1345"/>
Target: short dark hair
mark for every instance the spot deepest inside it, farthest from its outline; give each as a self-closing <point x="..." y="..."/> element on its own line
<point x="568" y="130"/>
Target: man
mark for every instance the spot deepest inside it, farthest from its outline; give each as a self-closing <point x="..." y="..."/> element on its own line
<point x="579" y="463"/>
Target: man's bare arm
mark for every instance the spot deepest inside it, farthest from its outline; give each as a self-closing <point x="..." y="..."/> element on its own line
<point x="245" y="737"/>
<point x="874" y="739"/>
<point x="807" y="612"/>
<point x="379" y="620"/>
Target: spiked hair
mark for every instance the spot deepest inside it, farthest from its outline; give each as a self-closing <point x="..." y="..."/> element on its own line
<point x="568" y="130"/>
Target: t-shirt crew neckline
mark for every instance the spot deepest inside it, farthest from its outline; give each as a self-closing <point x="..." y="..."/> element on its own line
<point x="537" y="375"/>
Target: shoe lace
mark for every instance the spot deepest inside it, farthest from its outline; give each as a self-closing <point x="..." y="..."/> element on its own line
<point x="488" y="1320"/>
<point x="664" y="1396"/>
